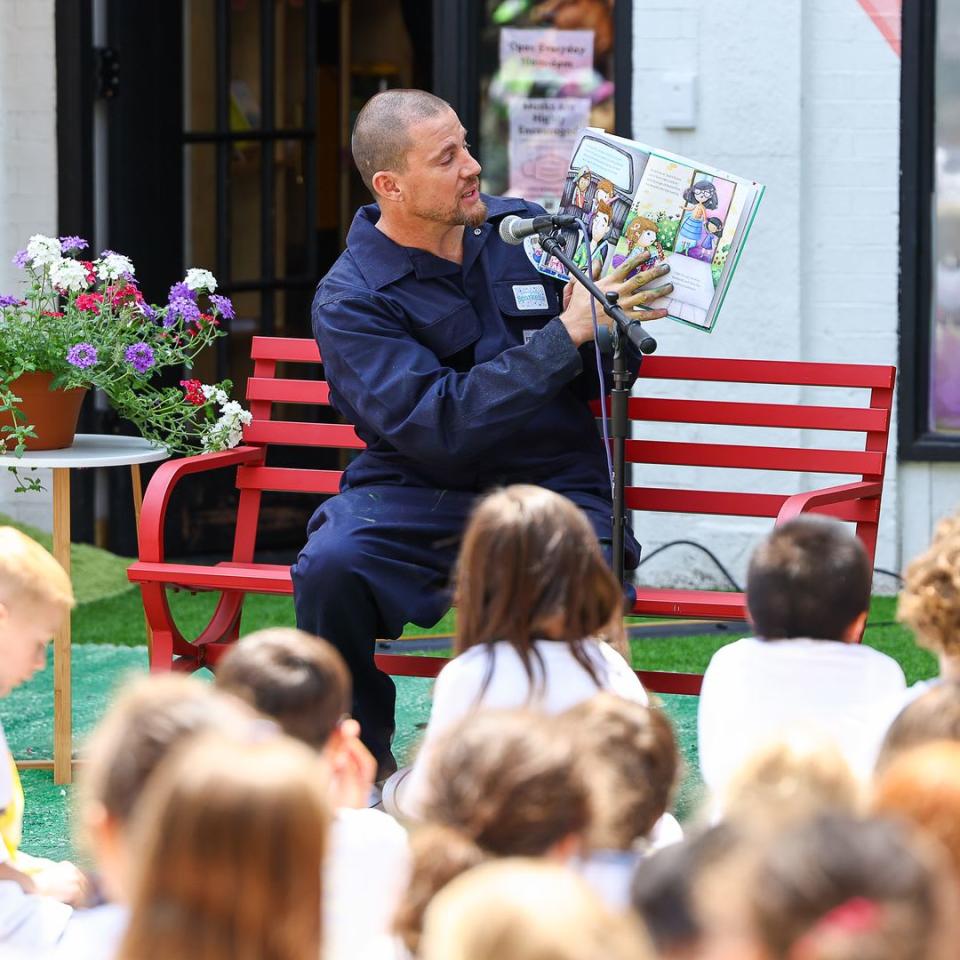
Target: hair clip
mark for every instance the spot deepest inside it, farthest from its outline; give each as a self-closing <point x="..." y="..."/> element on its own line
<point x="856" y="915"/>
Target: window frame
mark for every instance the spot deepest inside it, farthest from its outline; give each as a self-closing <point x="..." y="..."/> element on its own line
<point x="916" y="440"/>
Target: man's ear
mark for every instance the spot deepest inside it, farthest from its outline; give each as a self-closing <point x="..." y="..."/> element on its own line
<point x="386" y="186"/>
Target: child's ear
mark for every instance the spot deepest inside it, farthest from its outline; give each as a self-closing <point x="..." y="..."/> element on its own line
<point x="853" y="632"/>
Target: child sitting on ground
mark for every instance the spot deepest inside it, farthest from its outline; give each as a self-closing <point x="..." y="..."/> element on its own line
<point x="929" y="603"/>
<point x="627" y="755"/>
<point x="500" y="784"/>
<point x="35" y="599"/>
<point x="808" y="591"/>
<point x="230" y="837"/>
<point x="150" y="718"/>
<point x="302" y="683"/>
<point x="526" y="910"/>
<point x="534" y="601"/>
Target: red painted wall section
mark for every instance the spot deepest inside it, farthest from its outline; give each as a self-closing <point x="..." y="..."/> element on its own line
<point x="886" y="16"/>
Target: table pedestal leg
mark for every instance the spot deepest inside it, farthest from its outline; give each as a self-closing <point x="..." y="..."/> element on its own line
<point x="62" y="691"/>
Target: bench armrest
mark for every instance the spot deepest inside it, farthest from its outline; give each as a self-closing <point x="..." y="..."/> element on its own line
<point x="802" y="502"/>
<point x="157" y="496"/>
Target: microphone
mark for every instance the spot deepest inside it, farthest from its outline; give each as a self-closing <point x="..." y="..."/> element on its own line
<point x="640" y="339"/>
<point x="514" y="229"/>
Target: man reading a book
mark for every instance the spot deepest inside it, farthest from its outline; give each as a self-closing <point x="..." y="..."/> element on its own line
<point x="462" y="369"/>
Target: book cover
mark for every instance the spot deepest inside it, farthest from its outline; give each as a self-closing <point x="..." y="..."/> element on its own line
<point x="630" y="198"/>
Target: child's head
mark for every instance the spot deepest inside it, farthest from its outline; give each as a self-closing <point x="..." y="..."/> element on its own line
<point x="499" y="784"/>
<point x="600" y="223"/>
<point x="230" y="839"/>
<point x="809" y="578"/>
<point x="292" y="677"/>
<point x="150" y="718"/>
<point x="930" y="600"/>
<point x="703" y="192"/>
<point x="35" y="598"/>
<point x="790" y="780"/>
<point x="838" y="887"/>
<point x="530" y="568"/>
<point x="714" y="225"/>
<point x="662" y="890"/>
<point x="526" y="910"/>
<point x="628" y="756"/>
<point x="923" y="786"/>
<point x="934" y="715"/>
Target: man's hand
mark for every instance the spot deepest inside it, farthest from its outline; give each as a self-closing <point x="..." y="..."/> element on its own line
<point x="65" y="882"/>
<point x="634" y="294"/>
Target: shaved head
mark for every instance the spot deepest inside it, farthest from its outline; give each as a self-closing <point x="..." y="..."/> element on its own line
<point x="381" y="135"/>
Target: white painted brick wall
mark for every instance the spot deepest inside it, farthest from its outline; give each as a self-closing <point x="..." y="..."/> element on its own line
<point x="805" y="98"/>
<point x="28" y="168"/>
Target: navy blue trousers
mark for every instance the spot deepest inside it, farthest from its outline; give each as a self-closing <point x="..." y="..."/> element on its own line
<point x="379" y="557"/>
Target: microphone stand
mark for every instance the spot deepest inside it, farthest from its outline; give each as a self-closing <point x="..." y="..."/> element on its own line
<point x="624" y="329"/>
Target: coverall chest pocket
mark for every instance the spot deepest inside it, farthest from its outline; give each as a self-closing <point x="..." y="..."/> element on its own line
<point x="449" y="334"/>
<point x="526" y="305"/>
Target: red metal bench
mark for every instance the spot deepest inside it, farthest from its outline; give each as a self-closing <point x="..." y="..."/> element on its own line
<point x="857" y="500"/>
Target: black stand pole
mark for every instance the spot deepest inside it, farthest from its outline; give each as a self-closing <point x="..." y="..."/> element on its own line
<point x="624" y="329"/>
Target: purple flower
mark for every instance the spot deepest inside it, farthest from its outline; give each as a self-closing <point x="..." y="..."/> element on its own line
<point x="82" y="355"/>
<point x="73" y="243"/>
<point x="148" y="311"/>
<point x="180" y="291"/>
<point x="223" y="306"/>
<point x="139" y="356"/>
<point x="8" y="301"/>
<point x="20" y="260"/>
<point x="181" y="307"/>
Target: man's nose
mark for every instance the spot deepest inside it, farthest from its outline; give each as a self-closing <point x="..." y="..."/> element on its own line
<point x="471" y="168"/>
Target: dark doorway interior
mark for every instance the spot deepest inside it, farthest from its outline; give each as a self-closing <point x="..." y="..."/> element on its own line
<point x="226" y="147"/>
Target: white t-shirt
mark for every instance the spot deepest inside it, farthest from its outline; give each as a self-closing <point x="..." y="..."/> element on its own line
<point x="29" y="923"/>
<point x="366" y="871"/>
<point x="93" y="934"/>
<point x="562" y="684"/>
<point x="756" y="691"/>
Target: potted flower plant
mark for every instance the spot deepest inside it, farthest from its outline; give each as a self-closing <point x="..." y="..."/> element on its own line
<point x="85" y="323"/>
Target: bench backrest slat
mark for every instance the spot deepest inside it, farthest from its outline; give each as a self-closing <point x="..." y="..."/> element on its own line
<point x="746" y="457"/>
<point x="293" y="433"/>
<point x="288" y="480"/>
<point x="792" y="416"/>
<point x="278" y="390"/>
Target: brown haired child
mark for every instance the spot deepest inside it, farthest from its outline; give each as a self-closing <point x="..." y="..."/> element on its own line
<point x="231" y="838"/>
<point x="535" y="599"/>
<point x="302" y="683"/>
<point x="934" y="715"/>
<point x="808" y="590"/>
<point x="499" y="784"/>
<point x="627" y="755"/>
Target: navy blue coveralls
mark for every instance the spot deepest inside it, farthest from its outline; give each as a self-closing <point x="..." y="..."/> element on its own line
<point x="459" y="378"/>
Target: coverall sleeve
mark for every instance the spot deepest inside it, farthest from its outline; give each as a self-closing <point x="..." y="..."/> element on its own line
<point x="404" y="394"/>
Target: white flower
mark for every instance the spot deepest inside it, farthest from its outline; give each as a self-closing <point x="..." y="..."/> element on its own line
<point x="227" y="432"/>
<point x="113" y="265"/>
<point x="68" y="274"/>
<point x="42" y="250"/>
<point x="198" y="279"/>
<point x="215" y="393"/>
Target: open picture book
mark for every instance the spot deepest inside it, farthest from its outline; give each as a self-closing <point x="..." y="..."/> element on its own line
<point x="631" y="198"/>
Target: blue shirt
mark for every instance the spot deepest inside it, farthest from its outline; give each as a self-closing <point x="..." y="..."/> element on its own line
<point x="457" y="376"/>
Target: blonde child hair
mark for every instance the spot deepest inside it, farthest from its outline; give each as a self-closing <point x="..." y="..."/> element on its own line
<point x="929" y="602"/>
<point x="526" y="910"/>
<point x="628" y="756"/>
<point x="150" y="718"/>
<point x="29" y="573"/>
<point x="231" y="838"/>
<point x="789" y="780"/>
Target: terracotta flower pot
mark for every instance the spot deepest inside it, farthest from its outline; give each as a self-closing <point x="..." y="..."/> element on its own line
<point x="52" y="413"/>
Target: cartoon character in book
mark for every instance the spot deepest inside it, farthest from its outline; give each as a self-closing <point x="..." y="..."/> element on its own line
<point x="580" y="190"/>
<point x="640" y="235"/>
<point x="603" y="194"/>
<point x="707" y="246"/>
<point x="600" y="235"/>
<point x="698" y="199"/>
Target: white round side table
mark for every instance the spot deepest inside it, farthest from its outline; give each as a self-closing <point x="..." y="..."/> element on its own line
<point x="88" y="450"/>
